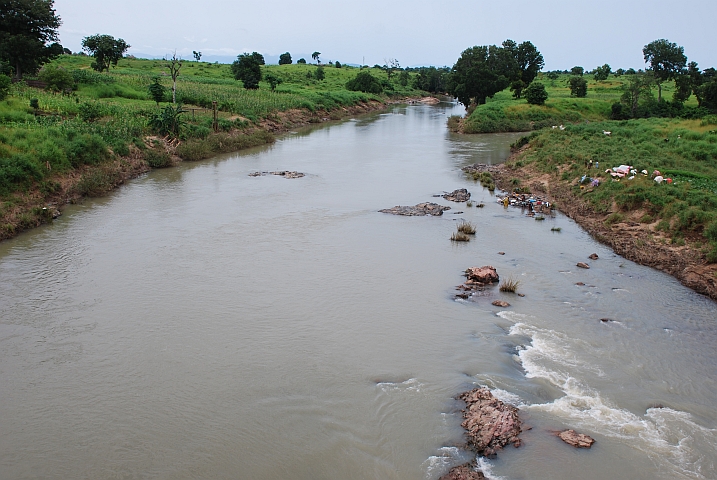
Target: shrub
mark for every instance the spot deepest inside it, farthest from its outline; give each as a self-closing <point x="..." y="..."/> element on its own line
<point x="460" y="237"/>
<point x="578" y="87"/>
<point x="364" y="82"/>
<point x="4" y="86"/>
<point x="90" y="111"/>
<point x="168" y="121"/>
<point x="467" y="228"/>
<point x="57" y="78"/>
<point x="97" y="182"/>
<point x="536" y="94"/>
<point x="510" y="285"/>
<point x="158" y="158"/>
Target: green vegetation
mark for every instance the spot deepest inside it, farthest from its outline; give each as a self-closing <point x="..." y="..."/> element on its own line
<point x="467" y="228"/>
<point x="106" y="49"/>
<point x="509" y="285"/>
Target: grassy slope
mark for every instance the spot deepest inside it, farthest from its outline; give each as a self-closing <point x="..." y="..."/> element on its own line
<point x="681" y="213"/>
<point x="38" y="149"/>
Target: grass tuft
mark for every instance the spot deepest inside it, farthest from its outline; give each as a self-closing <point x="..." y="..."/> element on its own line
<point x="509" y="285"/>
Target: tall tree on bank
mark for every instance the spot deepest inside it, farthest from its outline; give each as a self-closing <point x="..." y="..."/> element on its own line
<point x="27" y="28"/>
<point x="174" y="65"/>
<point x="285" y="59"/>
<point x="480" y="73"/>
<point x="315" y="56"/>
<point x="529" y="61"/>
<point x="106" y="49"/>
<point x="666" y="61"/>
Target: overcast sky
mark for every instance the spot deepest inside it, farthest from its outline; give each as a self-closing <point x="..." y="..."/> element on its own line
<point x="415" y="32"/>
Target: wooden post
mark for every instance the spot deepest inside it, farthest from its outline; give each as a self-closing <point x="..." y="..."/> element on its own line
<point x="215" y="124"/>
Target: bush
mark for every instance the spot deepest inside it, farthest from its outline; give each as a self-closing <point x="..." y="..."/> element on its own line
<point x="536" y="94"/>
<point x="578" y="87"/>
<point x="57" y="78"/>
<point x="157" y="158"/>
<point x="89" y="112"/>
<point x="365" y="82"/>
<point x="4" y="86"/>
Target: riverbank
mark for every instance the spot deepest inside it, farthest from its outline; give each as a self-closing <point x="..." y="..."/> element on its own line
<point x="43" y="201"/>
<point x="624" y="231"/>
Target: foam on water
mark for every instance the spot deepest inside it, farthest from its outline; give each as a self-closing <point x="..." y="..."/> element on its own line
<point x="447" y="457"/>
<point x="666" y="436"/>
<point x="411" y="385"/>
<point x="486" y="466"/>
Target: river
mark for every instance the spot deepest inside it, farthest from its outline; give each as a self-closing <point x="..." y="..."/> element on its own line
<point x="202" y="323"/>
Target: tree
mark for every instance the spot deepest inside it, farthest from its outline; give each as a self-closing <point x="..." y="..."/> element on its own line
<point x="285" y="59"/>
<point x="364" y="82"/>
<point x="174" y="65"/>
<point x="106" y="49"/>
<point x="57" y="78"/>
<point x="301" y="60"/>
<point x="248" y="69"/>
<point x="579" y="71"/>
<point x="403" y="78"/>
<point x="536" y="94"/>
<point x="683" y="88"/>
<point x="320" y="74"/>
<point x="273" y="80"/>
<point x="157" y="91"/>
<point x="197" y="55"/>
<point x="529" y="62"/>
<point x="637" y="89"/>
<point x="578" y="87"/>
<point x="666" y="61"/>
<point x="601" y="73"/>
<point x="28" y="34"/>
<point x="337" y="64"/>
<point x="391" y="65"/>
<point x="480" y="73"/>
<point x="5" y="83"/>
<point x="258" y="57"/>
<point x="315" y="56"/>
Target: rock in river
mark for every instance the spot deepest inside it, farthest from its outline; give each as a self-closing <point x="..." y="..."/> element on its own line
<point x="466" y="471"/>
<point x="501" y="303"/>
<point x="460" y="195"/>
<point x="418" y="210"/>
<point x="577" y="440"/>
<point x="484" y="275"/>
<point x="583" y="265"/>
<point x="490" y="424"/>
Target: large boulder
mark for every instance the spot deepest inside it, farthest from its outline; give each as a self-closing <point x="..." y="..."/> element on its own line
<point x="421" y="209"/>
<point x="483" y="275"/>
<point x="460" y="195"/>
<point x="490" y="424"/>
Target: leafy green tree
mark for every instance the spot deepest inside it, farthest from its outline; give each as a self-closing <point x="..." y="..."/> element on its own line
<point x="273" y="80"/>
<point x="301" y="60"/>
<point x="529" y="61"/>
<point x="431" y="79"/>
<point x="602" y="73"/>
<point x="683" y="88"/>
<point x="320" y="74"/>
<point x="708" y="95"/>
<point x="553" y="75"/>
<point x="578" y="87"/>
<point x="106" y="49"/>
<point x="619" y="72"/>
<point x="5" y="83"/>
<point x="637" y="91"/>
<point x="28" y="34"/>
<point x="666" y="61"/>
<point x="480" y="73"/>
<point x="535" y="93"/>
<point x="579" y="71"/>
<point x="285" y="59"/>
<point x="337" y="64"/>
<point x="315" y="56"/>
<point x="157" y="91"/>
<point x="57" y="78"/>
<point x="247" y="69"/>
<point x="258" y="57"/>
<point x="364" y="82"/>
<point x="197" y="55"/>
<point x="403" y="78"/>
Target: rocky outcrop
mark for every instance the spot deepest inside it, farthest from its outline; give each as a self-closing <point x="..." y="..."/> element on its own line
<point x="593" y="256"/>
<point x="422" y="209"/>
<point x="490" y="424"/>
<point x="501" y="303"/>
<point x="281" y="173"/>
<point x="577" y="440"/>
<point x="482" y="275"/>
<point x="460" y="195"/>
<point x="467" y="471"/>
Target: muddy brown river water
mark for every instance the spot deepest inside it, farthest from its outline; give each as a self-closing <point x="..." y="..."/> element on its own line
<point x="202" y="323"/>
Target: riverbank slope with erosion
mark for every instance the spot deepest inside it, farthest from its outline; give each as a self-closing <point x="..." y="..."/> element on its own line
<point x="40" y="205"/>
<point x="635" y="241"/>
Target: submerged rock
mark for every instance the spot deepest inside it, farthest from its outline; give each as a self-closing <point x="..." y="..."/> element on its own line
<point x="583" y="265"/>
<point x="593" y="256"/>
<point x="501" y="303"/>
<point x="281" y="173"/>
<point x="460" y="195"/>
<point x="467" y="471"/>
<point x="490" y="424"/>
<point x="482" y="275"/>
<point x="577" y="440"/>
<point x="421" y="209"/>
